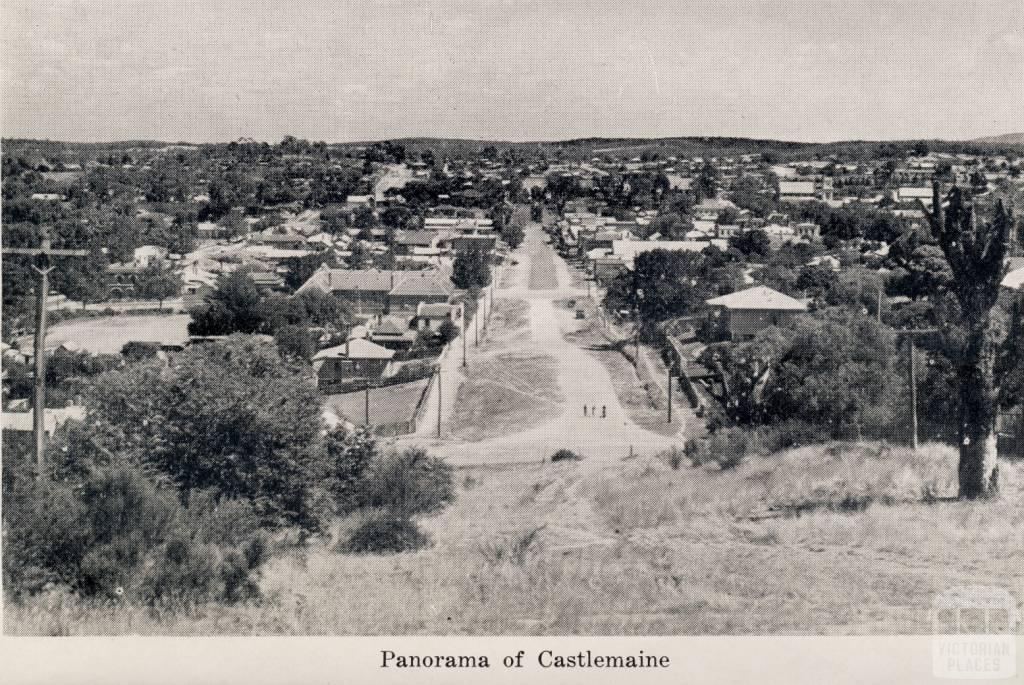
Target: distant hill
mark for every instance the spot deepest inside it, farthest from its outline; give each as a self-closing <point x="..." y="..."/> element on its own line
<point x="1005" y="139"/>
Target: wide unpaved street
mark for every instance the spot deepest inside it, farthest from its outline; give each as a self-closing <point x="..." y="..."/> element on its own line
<point x="543" y="280"/>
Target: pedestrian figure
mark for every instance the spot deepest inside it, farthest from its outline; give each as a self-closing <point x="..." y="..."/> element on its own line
<point x="604" y="411"/>
<point x="584" y="410"/>
<point x="593" y="411"/>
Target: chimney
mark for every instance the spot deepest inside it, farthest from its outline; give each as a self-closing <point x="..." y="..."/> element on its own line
<point x="330" y="278"/>
<point x="392" y="280"/>
<point x="347" y="339"/>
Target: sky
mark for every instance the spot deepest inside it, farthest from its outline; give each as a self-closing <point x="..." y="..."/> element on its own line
<point x="337" y="70"/>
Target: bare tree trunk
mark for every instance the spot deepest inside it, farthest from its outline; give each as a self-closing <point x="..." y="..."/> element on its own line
<point x="979" y="407"/>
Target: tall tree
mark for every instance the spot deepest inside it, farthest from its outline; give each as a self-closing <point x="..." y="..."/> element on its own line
<point x="977" y="258"/>
<point x="158" y="281"/>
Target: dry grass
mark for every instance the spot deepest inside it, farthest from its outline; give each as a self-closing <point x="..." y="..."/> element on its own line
<point x="637" y="548"/>
<point x="503" y="393"/>
<point x="391" y="404"/>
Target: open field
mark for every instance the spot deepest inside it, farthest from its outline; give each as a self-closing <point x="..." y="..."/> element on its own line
<point x="108" y="334"/>
<point x="636" y="547"/>
<point x="504" y="393"/>
<point x="391" y="404"/>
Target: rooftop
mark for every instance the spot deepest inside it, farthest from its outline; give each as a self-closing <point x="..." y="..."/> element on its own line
<point x="758" y="297"/>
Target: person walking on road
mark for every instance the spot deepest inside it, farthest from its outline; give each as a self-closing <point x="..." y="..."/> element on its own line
<point x="604" y="411"/>
<point x="584" y="410"/>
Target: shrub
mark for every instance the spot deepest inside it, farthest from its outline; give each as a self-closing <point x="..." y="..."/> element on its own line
<point x="385" y="532"/>
<point x="349" y="453"/>
<point x="674" y="457"/>
<point x="727" y="448"/>
<point x="514" y="548"/>
<point x="565" y="455"/>
<point x="118" y="534"/>
<point x="448" y="332"/>
<point x="408" y="483"/>
<point x="137" y="350"/>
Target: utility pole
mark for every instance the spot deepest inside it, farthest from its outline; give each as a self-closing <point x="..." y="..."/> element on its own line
<point x="439" y="401"/>
<point x="913" y="393"/>
<point x="670" y="393"/>
<point x="476" y="324"/>
<point x="912" y="378"/>
<point x="366" y="402"/>
<point x="43" y="268"/>
<point x="878" y="311"/>
<point x="463" y="336"/>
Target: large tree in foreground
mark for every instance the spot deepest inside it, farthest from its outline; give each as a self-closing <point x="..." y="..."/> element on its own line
<point x="977" y="257"/>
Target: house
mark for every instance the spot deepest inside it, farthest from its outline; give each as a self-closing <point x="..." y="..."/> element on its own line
<point x="149" y="254"/>
<point x="196" y="284"/>
<point x="354" y="201"/>
<point x="394" y="332"/>
<point x="607" y="268"/>
<point x="373" y="291"/>
<point x="356" y="361"/>
<point x="406" y="242"/>
<point x="906" y="194"/>
<point x="627" y="250"/>
<point x="415" y="287"/>
<point x="741" y="315"/>
<point x="52" y="419"/>
<point x="284" y="241"/>
<point x="123" y="279"/>
<point x="208" y="230"/>
<point x="470" y="243"/>
<point x="432" y="316"/>
<point x="364" y="290"/>
<point x="797" y="191"/>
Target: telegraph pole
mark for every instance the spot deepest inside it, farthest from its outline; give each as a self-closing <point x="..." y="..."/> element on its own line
<point x="439" y="401"/>
<point x="366" y="403"/>
<point x="43" y="268"/>
<point x="463" y="336"/>
<point x="912" y="378"/>
<point x="670" y="393"/>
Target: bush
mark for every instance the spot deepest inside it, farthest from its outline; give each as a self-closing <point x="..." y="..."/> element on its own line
<point x="408" y="483"/>
<point x="350" y="454"/>
<point x="565" y="455"/>
<point x="118" y="534"/>
<point x="385" y="532"/>
<point x="136" y="350"/>
<point x="448" y="332"/>
<point x="727" y="448"/>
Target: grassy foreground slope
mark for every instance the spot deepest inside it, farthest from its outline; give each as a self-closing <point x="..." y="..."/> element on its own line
<point x="834" y="539"/>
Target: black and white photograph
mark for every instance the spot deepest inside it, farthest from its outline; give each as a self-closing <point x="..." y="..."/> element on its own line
<point x="537" y="319"/>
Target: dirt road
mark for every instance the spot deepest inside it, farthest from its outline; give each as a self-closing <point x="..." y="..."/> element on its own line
<point x="542" y="279"/>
